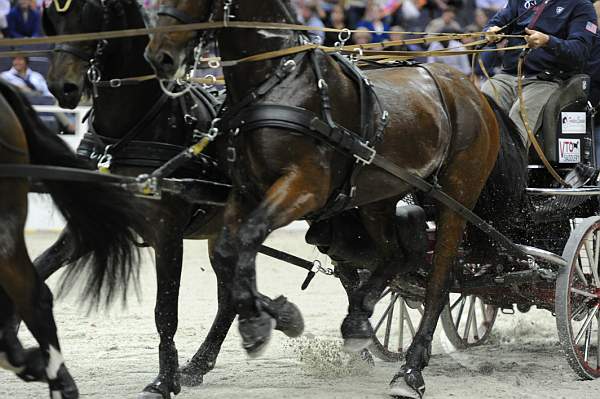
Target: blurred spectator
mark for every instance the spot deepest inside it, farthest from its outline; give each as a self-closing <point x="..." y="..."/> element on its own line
<point x="490" y="6"/>
<point x="446" y="21"/>
<point x="362" y="36"/>
<point x="30" y="82"/>
<point x="373" y="22"/>
<point x="479" y="21"/>
<point x="336" y="20"/>
<point x="4" y="10"/>
<point x="24" y="20"/>
<point x="460" y="62"/>
<point x="309" y="14"/>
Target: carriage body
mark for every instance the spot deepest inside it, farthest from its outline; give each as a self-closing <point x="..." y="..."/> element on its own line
<point x="562" y="222"/>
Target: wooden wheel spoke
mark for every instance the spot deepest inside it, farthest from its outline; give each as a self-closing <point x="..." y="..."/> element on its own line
<point x="592" y="263"/>
<point x="460" y="311"/>
<point x="387" y="310"/>
<point x="469" y="318"/>
<point x="460" y="298"/>
<point x="484" y="313"/>
<point x="586" y="324"/>
<point x="579" y="270"/>
<point x="390" y="317"/>
<point x="411" y="327"/>
<point x="401" y="327"/>
<point x="579" y="310"/>
<point x="588" y="338"/>
<point x="596" y="251"/>
<point x="474" y="323"/>
<point x="385" y="293"/>
<point x="598" y="341"/>
<point x="583" y="293"/>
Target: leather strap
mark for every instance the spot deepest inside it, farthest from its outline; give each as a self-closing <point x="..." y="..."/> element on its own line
<point x="176" y="14"/>
<point x="539" y="9"/>
<point x="437" y="194"/>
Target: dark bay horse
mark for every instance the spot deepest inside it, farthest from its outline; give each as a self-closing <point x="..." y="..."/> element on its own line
<point x="116" y="111"/>
<point x="102" y="221"/>
<point x="440" y="127"/>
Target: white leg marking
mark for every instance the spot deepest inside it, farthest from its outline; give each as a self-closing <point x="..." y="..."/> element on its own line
<point x="55" y="360"/>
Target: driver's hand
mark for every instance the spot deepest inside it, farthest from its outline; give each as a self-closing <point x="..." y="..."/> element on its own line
<point x="536" y="39"/>
<point x="493" y="38"/>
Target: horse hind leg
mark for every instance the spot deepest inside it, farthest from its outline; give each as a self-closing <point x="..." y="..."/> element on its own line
<point x="463" y="180"/>
<point x="378" y="220"/>
<point x="33" y="302"/>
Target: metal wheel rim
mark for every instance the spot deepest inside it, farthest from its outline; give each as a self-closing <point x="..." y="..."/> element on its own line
<point x="392" y="337"/>
<point x="578" y="300"/>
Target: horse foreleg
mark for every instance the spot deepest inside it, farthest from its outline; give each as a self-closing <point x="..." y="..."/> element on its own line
<point x="169" y="254"/>
<point x="291" y="197"/>
<point x="205" y="358"/>
<point x="463" y="180"/>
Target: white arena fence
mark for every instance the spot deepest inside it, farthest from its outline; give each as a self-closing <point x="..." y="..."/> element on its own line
<point x="43" y="216"/>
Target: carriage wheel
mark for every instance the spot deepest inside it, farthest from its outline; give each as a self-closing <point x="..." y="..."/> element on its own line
<point x="395" y="321"/>
<point x="467" y="320"/>
<point x="578" y="300"/>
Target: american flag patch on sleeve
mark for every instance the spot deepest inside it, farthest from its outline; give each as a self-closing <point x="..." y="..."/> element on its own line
<point x="591" y="27"/>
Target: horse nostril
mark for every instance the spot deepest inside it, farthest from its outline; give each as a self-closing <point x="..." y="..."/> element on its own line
<point x="166" y="60"/>
<point x="70" y="88"/>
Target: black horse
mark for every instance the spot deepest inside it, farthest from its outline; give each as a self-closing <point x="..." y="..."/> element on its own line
<point x="162" y="126"/>
<point x="285" y="115"/>
<point x="102" y="221"/>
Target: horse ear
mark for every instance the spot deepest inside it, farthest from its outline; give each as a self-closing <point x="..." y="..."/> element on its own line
<point x="47" y="25"/>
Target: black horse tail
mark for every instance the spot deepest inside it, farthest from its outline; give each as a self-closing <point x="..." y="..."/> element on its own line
<point x="102" y="219"/>
<point x="503" y="198"/>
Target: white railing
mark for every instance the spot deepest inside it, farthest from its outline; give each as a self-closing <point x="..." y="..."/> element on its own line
<point x="43" y="215"/>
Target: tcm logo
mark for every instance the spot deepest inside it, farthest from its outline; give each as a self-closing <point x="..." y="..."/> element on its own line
<point x="569" y="150"/>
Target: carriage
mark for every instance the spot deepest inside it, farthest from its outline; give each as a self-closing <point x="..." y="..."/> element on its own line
<point x="567" y="223"/>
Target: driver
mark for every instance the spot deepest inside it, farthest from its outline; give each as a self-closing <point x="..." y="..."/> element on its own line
<point x="561" y="34"/>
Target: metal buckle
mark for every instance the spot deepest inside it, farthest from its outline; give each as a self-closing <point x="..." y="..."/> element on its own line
<point x="189" y="119"/>
<point x="343" y="37"/>
<point x="231" y="154"/>
<point x="147" y="185"/>
<point x="227" y="12"/>
<point x="370" y="159"/>
<point x="105" y="161"/>
<point x="114" y="83"/>
<point x="288" y="66"/>
<point x="93" y="73"/>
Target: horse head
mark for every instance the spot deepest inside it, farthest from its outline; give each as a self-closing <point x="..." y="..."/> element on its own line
<point x="74" y="66"/>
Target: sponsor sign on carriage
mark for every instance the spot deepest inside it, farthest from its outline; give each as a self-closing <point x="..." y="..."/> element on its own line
<point x="573" y="122"/>
<point x="569" y="150"/>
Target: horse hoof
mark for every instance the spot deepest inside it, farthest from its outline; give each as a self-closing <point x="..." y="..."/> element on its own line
<point x="408" y="383"/>
<point x="357" y="333"/>
<point x="288" y="317"/>
<point x="354" y="345"/>
<point x="153" y="392"/>
<point x="256" y="333"/>
<point x="152" y="395"/>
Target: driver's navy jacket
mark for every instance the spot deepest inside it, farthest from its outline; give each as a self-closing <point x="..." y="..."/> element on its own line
<point x="571" y="25"/>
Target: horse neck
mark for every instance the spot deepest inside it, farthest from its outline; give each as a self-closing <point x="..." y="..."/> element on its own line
<point x="117" y="110"/>
<point x="240" y="43"/>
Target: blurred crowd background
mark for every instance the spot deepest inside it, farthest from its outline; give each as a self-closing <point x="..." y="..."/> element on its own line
<point x="376" y="20"/>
